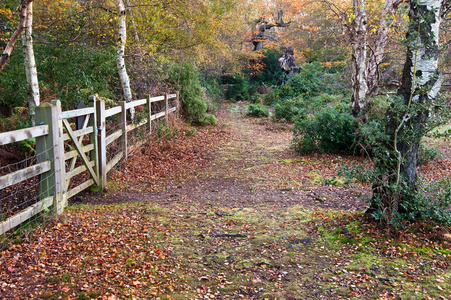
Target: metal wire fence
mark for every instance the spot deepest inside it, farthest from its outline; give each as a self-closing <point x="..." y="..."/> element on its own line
<point x="23" y="200"/>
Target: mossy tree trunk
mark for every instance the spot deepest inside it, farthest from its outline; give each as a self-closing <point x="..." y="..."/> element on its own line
<point x="407" y="122"/>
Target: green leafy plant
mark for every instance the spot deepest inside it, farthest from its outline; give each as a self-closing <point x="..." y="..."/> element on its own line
<point x="309" y="83"/>
<point x="289" y="109"/>
<point x="74" y="73"/>
<point x="185" y="78"/>
<point x="271" y="74"/>
<point x="427" y="154"/>
<point x="330" y="130"/>
<point x="256" y="110"/>
<point x="214" y="90"/>
<point x="239" y="88"/>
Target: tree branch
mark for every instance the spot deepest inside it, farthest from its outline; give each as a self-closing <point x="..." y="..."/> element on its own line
<point x="9" y="47"/>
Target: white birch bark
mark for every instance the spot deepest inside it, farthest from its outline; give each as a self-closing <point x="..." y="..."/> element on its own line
<point x="120" y="51"/>
<point x="425" y="63"/>
<point x="10" y="45"/>
<point x="30" y="64"/>
<point x="359" y="84"/>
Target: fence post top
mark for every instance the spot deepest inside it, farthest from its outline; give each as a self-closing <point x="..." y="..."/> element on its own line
<point x="56" y="102"/>
<point x="46" y="104"/>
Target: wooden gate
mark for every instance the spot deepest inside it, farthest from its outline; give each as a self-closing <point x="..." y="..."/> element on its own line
<point x="79" y="149"/>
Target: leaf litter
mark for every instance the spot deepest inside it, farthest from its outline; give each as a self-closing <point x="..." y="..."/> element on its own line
<point x="227" y="213"/>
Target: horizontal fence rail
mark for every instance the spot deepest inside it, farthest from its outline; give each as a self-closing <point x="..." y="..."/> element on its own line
<point x="69" y="159"/>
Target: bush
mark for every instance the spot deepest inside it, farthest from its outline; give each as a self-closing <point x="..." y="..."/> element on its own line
<point x="330" y="130"/>
<point x="272" y="73"/>
<point x="239" y="89"/>
<point x="185" y="78"/>
<point x="289" y="109"/>
<point x="75" y="73"/>
<point x="214" y="90"/>
<point x="256" y="110"/>
<point x="433" y="201"/>
<point x="309" y="83"/>
<point x="292" y="108"/>
<point x="13" y="84"/>
<point x="427" y="154"/>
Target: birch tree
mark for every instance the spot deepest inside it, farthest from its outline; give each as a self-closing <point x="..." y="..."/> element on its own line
<point x="30" y="64"/>
<point x="120" y="51"/>
<point x="407" y="120"/>
<point x="359" y="49"/>
<point x="15" y="36"/>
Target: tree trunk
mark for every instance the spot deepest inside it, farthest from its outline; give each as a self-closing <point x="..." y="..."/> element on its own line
<point x="120" y="51"/>
<point x="420" y="85"/>
<point x="9" y="47"/>
<point x="359" y="85"/>
<point x="261" y="36"/>
<point x="30" y="64"/>
<point x="377" y="53"/>
<point x="421" y="81"/>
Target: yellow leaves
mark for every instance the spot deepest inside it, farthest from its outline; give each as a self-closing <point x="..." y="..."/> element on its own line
<point x="5" y="12"/>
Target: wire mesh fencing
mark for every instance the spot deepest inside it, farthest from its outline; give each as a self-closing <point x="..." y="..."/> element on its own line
<point x="26" y="204"/>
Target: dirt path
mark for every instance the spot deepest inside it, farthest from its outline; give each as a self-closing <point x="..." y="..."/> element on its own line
<point x="253" y="165"/>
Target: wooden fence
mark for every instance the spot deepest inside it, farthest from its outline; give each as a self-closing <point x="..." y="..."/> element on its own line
<point x="60" y="147"/>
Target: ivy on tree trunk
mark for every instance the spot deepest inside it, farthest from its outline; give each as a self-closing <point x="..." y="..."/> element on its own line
<point x="407" y="121"/>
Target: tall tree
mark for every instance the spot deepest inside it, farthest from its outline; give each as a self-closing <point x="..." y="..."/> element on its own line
<point x="120" y="51"/>
<point x="30" y="64"/>
<point x="15" y="36"/>
<point x="359" y="49"/>
<point x="406" y="125"/>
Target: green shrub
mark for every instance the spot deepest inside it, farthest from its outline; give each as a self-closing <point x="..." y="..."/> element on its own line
<point x="213" y="86"/>
<point x="292" y="108"/>
<point x="256" y="110"/>
<point x="433" y="201"/>
<point x="272" y="73"/>
<point x="239" y="89"/>
<point x="185" y="78"/>
<point x="13" y="83"/>
<point x="395" y="201"/>
<point x="331" y="130"/>
<point x="289" y="109"/>
<point x="75" y="73"/>
<point x="427" y="154"/>
<point x="310" y="82"/>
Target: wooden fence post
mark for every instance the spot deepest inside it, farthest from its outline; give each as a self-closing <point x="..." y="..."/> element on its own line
<point x="177" y="104"/>
<point x="166" y="114"/>
<point x="50" y="147"/>
<point x="149" y="108"/>
<point x="45" y="149"/>
<point x="101" y="136"/>
<point x="123" y="124"/>
<point x="60" y="175"/>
